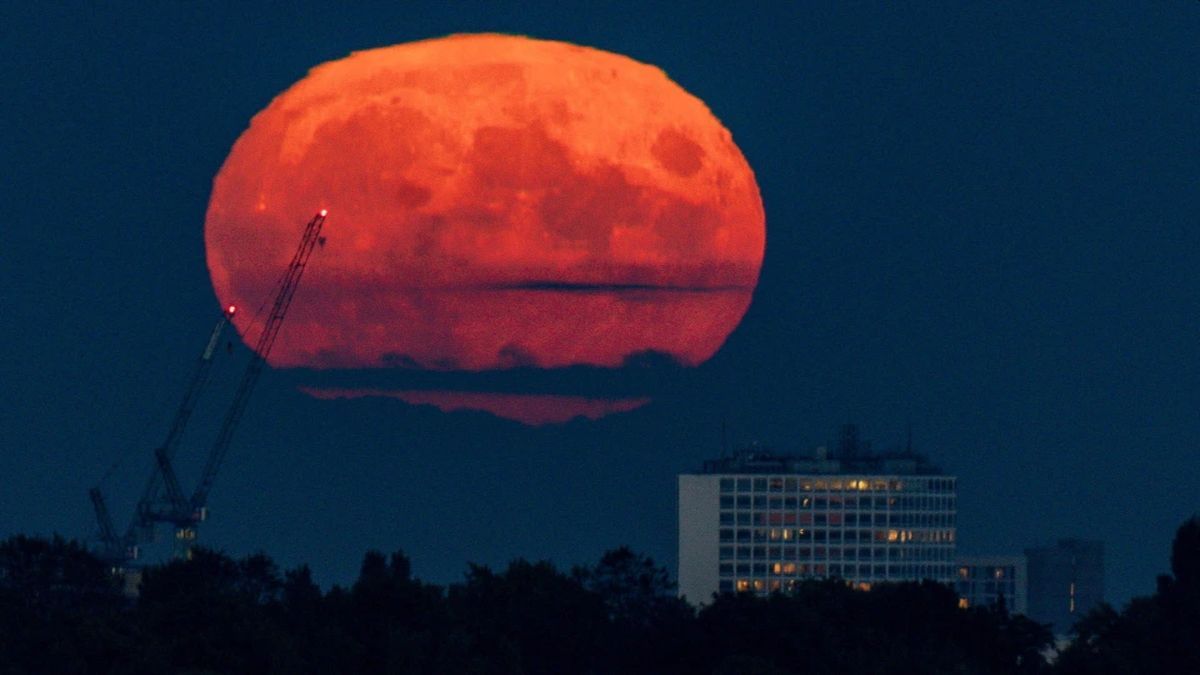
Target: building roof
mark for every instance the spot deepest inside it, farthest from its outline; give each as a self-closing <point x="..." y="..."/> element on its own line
<point x="743" y="462"/>
<point x="852" y="456"/>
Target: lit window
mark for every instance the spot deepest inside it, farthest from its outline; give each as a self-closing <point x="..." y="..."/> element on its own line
<point x="963" y="604"/>
<point x="743" y="585"/>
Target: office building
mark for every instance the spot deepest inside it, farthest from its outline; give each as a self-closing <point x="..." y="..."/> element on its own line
<point x="988" y="581"/>
<point x="762" y="522"/>
<point x="1066" y="580"/>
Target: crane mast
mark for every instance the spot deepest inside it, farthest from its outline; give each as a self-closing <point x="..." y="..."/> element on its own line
<point x="142" y="525"/>
<point x="119" y="548"/>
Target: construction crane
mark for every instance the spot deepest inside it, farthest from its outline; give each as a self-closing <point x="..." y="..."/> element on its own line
<point x="118" y="548"/>
<point x="187" y="513"/>
<point x="183" y="512"/>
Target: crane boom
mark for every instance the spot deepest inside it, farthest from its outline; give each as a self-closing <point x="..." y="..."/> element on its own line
<point x="108" y="534"/>
<point x="266" y="339"/>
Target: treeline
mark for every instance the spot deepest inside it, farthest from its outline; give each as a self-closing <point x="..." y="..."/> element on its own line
<point x="62" y="611"/>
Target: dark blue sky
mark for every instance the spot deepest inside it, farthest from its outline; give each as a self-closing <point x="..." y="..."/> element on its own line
<point x="980" y="220"/>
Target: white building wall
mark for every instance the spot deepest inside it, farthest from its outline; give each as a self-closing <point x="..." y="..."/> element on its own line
<point x="981" y="578"/>
<point x="765" y="532"/>
<point x="698" y="517"/>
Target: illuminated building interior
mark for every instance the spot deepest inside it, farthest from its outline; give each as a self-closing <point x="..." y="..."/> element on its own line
<point x="761" y="522"/>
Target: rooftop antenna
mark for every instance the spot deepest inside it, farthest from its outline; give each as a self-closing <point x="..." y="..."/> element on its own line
<point x="848" y="444"/>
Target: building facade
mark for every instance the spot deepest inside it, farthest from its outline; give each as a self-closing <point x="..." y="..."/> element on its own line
<point x="988" y="581"/>
<point x="759" y="522"/>
<point x="1066" y="580"/>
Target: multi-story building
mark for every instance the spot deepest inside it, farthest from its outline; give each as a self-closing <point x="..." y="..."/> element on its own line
<point x="989" y="581"/>
<point x="1066" y="580"/>
<point x="761" y="522"/>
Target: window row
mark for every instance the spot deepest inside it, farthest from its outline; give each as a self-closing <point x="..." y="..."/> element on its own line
<point x="837" y="503"/>
<point x="803" y="534"/>
<point x="877" y="573"/>
<point x="770" y="553"/>
<point x="840" y="484"/>
<point x="987" y="572"/>
<point x="944" y="519"/>
<point x="1008" y="588"/>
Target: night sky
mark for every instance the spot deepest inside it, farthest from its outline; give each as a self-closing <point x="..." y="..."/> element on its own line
<point x="981" y="222"/>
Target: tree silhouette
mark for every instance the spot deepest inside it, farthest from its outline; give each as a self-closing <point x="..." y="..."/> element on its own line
<point x="1159" y="634"/>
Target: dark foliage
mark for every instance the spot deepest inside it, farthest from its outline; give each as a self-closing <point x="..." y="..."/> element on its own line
<point x="61" y="610"/>
<point x="1159" y="634"/>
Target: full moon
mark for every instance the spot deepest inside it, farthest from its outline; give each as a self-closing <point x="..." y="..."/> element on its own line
<point x="494" y="202"/>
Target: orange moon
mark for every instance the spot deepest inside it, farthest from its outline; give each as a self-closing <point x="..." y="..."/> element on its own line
<point x="494" y="202"/>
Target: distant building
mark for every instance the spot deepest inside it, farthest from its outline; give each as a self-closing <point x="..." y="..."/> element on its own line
<point x="1066" y="580"/>
<point x="761" y="522"/>
<point x="988" y="581"/>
